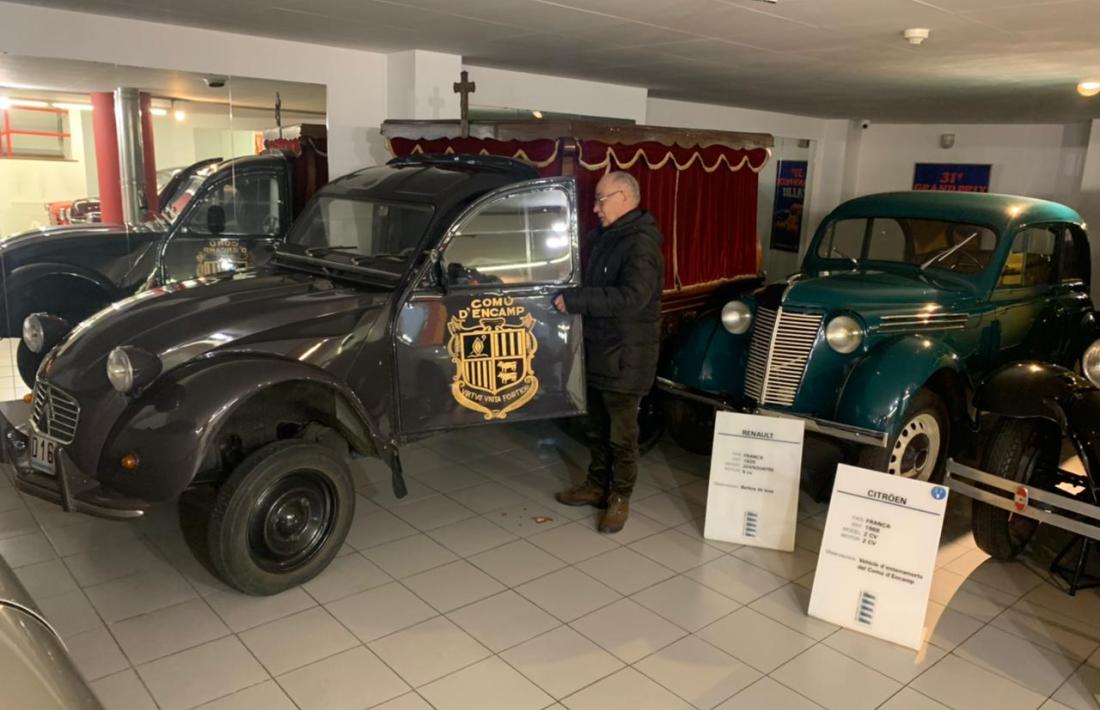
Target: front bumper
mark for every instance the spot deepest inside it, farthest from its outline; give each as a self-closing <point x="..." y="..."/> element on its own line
<point x="836" y="430"/>
<point x="70" y="488"/>
<point x="1048" y="507"/>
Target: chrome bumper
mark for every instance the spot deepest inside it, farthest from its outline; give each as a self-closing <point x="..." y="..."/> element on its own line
<point x="1049" y="508"/>
<point x="835" y="430"/>
<point x="70" y="488"/>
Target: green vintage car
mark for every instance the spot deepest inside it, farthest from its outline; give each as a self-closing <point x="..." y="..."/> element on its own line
<point x="904" y="302"/>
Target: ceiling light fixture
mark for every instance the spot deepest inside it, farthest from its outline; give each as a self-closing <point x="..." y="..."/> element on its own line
<point x="1089" y="87"/>
<point x="5" y="103"/>
<point x="916" y="35"/>
<point x="158" y="111"/>
<point x="537" y="114"/>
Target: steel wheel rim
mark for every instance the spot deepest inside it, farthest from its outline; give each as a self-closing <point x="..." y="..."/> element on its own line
<point x="916" y="451"/>
<point x="291" y="521"/>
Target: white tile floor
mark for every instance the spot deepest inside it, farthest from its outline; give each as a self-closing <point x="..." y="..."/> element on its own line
<point x="480" y="592"/>
<point x="11" y="386"/>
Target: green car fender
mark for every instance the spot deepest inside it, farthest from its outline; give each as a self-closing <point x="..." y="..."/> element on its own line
<point x="707" y="357"/>
<point x="879" y="388"/>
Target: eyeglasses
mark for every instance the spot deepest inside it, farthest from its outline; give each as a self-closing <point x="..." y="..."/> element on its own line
<point x="600" y="199"/>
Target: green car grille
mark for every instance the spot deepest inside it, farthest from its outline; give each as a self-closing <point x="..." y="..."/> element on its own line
<point x="778" y="353"/>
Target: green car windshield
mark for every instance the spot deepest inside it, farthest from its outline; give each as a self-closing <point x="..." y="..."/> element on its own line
<point x="929" y="243"/>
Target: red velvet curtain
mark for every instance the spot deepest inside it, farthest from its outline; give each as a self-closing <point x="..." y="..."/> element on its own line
<point x="703" y="198"/>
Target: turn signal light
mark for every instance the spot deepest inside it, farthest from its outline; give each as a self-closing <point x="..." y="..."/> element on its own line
<point x="130" y="462"/>
<point x="28" y="398"/>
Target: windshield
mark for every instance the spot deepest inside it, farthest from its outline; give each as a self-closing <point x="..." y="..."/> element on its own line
<point x="176" y="202"/>
<point x="361" y="227"/>
<point x="928" y="243"/>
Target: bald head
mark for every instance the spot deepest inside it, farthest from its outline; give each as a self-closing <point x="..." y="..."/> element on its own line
<point x="616" y="194"/>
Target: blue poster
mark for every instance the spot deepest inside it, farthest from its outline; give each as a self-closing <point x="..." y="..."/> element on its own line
<point x="790" y="194"/>
<point x="951" y="177"/>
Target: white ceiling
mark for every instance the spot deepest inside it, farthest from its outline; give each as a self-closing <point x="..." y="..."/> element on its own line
<point x="987" y="60"/>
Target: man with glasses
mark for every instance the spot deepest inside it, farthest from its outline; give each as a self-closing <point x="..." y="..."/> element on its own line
<point x="621" y="305"/>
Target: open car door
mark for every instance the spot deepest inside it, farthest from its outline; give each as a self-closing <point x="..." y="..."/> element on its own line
<point x="478" y="338"/>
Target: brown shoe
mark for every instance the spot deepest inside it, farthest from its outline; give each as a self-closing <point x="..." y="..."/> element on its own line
<point x="618" y="508"/>
<point x="583" y="494"/>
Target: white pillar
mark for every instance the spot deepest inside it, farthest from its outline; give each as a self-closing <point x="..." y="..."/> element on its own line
<point x="420" y="85"/>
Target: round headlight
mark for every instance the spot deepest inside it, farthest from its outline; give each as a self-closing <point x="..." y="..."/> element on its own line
<point x="120" y="371"/>
<point x="844" y="334"/>
<point x="736" y="317"/>
<point x="34" y="335"/>
<point x="1090" y="363"/>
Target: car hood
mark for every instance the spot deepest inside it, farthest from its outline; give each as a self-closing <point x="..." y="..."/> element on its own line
<point x="74" y="231"/>
<point x="874" y="291"/>
<point x="283" y="314"/>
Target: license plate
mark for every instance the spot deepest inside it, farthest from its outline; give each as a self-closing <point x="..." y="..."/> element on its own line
<point x="43" y="454"/>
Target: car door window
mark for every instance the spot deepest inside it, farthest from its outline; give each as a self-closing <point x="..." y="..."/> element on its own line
<point x="1074" y="263"/>
<point x="229" y="229"/>
<point x="248" y="205"/>
<point x="1030" y="261"/>
<point x="521" y="238"/>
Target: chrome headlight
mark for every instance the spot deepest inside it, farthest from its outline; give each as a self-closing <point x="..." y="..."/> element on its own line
<point x="844" y="334"/>
<point x="130" y="368"/>
<point x="736" y="317"/>
<point x="34" y="335"/>
<point x="41" y="332"/>
<point x="1090" y="363"/>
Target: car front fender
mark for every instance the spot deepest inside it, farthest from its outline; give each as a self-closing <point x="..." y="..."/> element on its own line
<point x="1041" y="390"/>
<point x="173" y="427"/>
<point x="877" y="391"/>
<point x="705" y="356"/>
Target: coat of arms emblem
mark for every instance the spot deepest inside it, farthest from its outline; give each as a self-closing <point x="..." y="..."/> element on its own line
<point x="492" y="346"/>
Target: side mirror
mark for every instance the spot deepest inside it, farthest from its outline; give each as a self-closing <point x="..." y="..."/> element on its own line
<point x="215" y="219"/>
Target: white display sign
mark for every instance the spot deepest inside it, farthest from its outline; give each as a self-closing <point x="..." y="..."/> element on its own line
<point x="754" y="475"/>
<point x="874" y="571"/>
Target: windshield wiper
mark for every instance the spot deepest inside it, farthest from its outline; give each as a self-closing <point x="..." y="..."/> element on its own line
<point x="321" y="251"/>
<point x="947" y="252"/>
<point x="842" y="255"/>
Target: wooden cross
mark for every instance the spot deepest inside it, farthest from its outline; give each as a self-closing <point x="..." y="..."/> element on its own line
<point x="465" y="87"/>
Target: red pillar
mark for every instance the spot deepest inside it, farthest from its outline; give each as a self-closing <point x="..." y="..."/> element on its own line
<point x="106" y="156"/>
<point x="149" y="154"/>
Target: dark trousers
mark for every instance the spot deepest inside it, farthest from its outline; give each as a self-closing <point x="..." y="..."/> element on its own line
<point x="613" y="440"/>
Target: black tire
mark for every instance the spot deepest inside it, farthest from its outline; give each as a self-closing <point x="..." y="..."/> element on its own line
<point x="1019" y="450"/>
<point x="305" y="485"/>
<point x="691" y="424"/>
<point x="919" y="449"/>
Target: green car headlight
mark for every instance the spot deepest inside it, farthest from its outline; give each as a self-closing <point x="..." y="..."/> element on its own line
<point x="844" y="334"/>
<point x="736" y="317"/>
<point x="1090" y="363"/>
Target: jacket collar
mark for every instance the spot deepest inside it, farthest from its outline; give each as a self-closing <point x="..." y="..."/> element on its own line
<point x="625" y="222"/>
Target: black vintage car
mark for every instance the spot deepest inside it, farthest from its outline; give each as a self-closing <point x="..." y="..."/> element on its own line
<point x="410" y="298"/>
<point x="1042" y="461"/>
<point x="216" y="216"/>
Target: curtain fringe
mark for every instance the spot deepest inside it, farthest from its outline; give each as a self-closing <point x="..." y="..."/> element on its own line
<point x="639" y="154"/>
